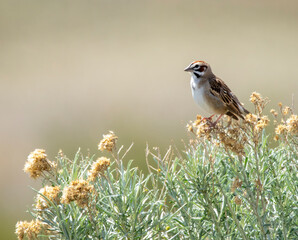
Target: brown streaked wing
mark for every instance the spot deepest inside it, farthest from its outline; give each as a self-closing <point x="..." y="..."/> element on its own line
<point x="232" y="115"/>
<point x="221" y="90"/>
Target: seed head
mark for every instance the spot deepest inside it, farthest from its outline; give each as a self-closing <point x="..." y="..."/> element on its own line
<point x="232" y="142"/>
<point x="30" y="229"/>
<point x="203" y="130"/>
<point x="237" y="200"/>
<point x="255" y="97"/>
<point x="79" y="191"/>
<point x="274" y="112"/>
<point x="262" y="123"/>
<point x="286" y="110"/>
<point x="108" y="142"/>
<point x="259" y="185"/>
<point x="189" y="127"/>
<point x="198" y="120"/>
<point x="292" y="124"/>
<point x="37" y="163"/>
<point x="98" y="167"/>
<point x="281" y="129"/>
<point x="236" y="184"/>
<point x="258" y="101"/>
<point x="276" y="137"/>
<point x="50" y="193"/>
<point x="251" y="118"/>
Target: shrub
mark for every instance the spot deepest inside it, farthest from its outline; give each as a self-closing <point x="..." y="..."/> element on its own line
<point x="228" y="183"/>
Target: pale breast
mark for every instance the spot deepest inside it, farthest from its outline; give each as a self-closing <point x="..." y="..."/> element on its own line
<point x="198" y="95"/>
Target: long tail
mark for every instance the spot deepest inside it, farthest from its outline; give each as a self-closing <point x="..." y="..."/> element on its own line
<point x="235" y="116"/>
<point x="246" y="111"/>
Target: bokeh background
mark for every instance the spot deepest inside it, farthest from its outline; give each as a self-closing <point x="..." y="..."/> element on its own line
<point x="72" y="70"/>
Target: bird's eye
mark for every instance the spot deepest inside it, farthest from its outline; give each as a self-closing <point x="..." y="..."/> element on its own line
<point x="197" y="66"/>
<point x="201" y="69"/>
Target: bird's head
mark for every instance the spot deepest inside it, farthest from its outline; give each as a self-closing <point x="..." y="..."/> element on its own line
<point x="198" y="68"/>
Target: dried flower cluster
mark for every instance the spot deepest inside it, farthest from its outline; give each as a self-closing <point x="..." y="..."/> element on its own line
<point x="251" y="118"/>
<point x="203" y="130"/>
<point x="51" y="193"/>
<point x="290" y="127"/>
<point x="285" y="127"/>
<point x="108" y="142"/>
<point x="255" y="98"/>
<point x="229" y="135"/>
<point x="292" y="124"/>
<point x="37" y="163"/>
<point x="286" y="110"/>
<point x="98" y="167"/>
<point x="281" y="129"/>
<point x="236" y="184"/>
<point x="257" y="124"/>
<point x="29" y="229"/>
<point x="274" y="112"/>
<point x="261" y="124"/>
<point x="233" y="135"/>
<point x="200" y="128"/>
<point x="237" y="200"/>
<point x="258" y="101"/>
<point x="233" y="138"/>
<point x="79" y="191"/>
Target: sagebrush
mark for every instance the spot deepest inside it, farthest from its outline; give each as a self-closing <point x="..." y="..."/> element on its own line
<point x="228" y="183"/>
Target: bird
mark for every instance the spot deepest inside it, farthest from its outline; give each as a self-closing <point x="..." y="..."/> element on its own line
<point x="212" y="94"/>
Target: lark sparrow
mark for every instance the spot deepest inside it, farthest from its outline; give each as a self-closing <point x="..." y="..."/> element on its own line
<point x="212" y="94"/>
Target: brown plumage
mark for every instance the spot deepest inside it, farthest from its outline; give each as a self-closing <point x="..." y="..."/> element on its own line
<point x="212" y="94"/>
<point x="219" y="89"/>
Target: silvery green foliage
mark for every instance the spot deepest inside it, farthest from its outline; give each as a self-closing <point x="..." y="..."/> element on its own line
<point x="184" y="196"/>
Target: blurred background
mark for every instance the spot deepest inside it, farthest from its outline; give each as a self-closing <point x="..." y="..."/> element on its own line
<point x="72" y="70"/>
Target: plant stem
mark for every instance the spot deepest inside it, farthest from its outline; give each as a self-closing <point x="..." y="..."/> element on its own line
<point x="252" y="201"/>
<point x="212" y="213"/>
<point x="232" y="212"/>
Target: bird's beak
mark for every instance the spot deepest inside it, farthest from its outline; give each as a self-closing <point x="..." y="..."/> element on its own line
<point x="188" y="69"/>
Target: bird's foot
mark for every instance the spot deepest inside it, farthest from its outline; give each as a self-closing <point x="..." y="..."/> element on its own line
<point x="208" y="119"/>
<point x="210" y="122"/>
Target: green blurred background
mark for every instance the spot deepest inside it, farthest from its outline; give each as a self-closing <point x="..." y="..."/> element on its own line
<point x="72" y="70"/>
